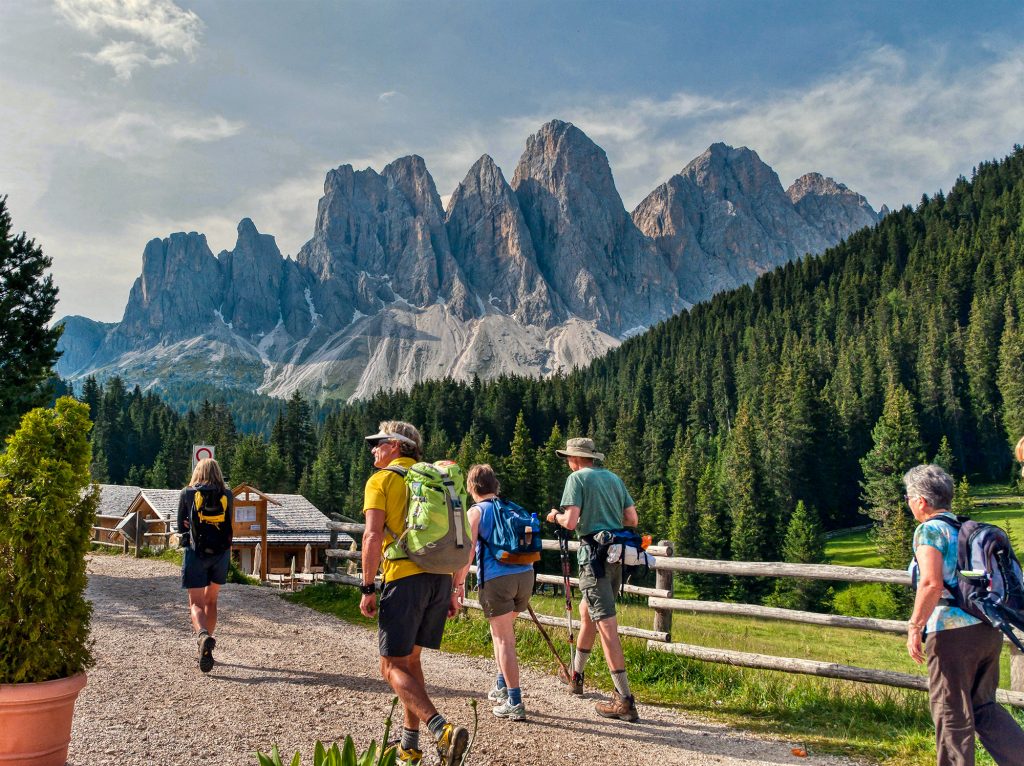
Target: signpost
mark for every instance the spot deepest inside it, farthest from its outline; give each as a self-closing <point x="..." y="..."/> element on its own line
<point x="201" y="452"/>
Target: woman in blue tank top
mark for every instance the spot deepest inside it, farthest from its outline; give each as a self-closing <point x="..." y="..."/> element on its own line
<point x="505" y="590"/>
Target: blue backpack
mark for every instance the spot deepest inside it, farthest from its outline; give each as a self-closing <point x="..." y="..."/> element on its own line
<point x="515" y="535"/>
<point x="989" y="583"/>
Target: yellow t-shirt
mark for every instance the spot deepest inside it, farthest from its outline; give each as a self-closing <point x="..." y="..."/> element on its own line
<point x="386" y="490"/>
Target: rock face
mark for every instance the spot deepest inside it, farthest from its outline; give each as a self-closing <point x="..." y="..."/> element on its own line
<point x="532" y="277"/>
<point x="725" y="219"/>
<point x="587" y="247"/>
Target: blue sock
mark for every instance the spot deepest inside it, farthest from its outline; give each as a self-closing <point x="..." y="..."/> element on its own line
<point x="515" y="695"/>
<point x="499" y="682"/>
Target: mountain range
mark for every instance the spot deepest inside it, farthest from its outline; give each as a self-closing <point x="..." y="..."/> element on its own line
<point x="532" y="276"/>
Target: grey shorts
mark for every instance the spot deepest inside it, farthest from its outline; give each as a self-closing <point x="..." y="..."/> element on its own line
<point x="198" y="571"/>
<point x="506" y="594"/>
<point x="600" y="592"/>
<point x="411" y="612"/>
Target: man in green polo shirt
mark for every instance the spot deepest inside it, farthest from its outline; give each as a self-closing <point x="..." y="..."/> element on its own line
<point x="595" y="500"/>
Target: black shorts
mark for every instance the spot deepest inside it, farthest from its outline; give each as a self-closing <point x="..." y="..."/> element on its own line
<point x="412" y="612"/>
<point x="199" y="571"/>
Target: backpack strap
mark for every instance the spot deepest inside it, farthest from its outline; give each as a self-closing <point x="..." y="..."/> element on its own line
<point x="954" y="592"/>
<point x="396" y="539"/>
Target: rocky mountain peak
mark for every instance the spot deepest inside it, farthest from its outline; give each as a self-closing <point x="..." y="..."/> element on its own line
<point x="725" y="171"/>
<point x="488" y="234"/>
<point x="831" y="207"/>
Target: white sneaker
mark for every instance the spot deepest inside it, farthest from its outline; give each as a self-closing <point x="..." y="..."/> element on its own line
<point x="498" y="695"/>
<point x="512" y="712"/>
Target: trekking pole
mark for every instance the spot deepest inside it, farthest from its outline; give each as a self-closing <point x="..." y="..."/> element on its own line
<point x="551" y="645"/>
<point x="563" y="550"/>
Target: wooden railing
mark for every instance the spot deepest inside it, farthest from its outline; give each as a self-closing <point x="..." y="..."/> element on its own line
<point x="102" y="535"/>
<point x="663" y="604"/>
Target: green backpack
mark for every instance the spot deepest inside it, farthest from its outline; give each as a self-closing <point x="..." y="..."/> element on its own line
<point x="436" y="534"/>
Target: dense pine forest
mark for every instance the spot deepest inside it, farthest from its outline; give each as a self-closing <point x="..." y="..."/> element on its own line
<point x="818" y="385"/>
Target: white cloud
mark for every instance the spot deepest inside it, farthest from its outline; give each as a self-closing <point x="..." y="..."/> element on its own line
<point x="158" y="31"/>
<point x="129" y="134"/>
<point x="388" y="95"/>
<point x="125" y="57"/>
<point x="889" y="127"/>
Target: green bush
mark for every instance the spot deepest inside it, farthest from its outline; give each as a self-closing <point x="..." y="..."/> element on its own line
<point x="868" y="600"/>
<point x="236" y="575"/>
<point x="47" y="508"/>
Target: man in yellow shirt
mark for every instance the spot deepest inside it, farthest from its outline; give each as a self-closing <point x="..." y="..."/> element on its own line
<point x="413" y="603"/>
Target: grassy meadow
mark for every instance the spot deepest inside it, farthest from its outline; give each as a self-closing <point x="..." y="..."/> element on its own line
<point x="875" y="724"/>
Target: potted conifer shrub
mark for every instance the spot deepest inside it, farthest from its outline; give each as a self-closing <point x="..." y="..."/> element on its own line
<point x="46" y="510"/>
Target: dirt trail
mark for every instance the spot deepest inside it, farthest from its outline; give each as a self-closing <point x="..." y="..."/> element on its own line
<point x="289" y="675"/>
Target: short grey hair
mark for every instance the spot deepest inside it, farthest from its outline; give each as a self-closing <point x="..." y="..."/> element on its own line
<point x="932" y="483"/>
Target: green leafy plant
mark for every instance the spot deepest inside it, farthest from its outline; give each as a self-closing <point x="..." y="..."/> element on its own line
<point x="47" y="509"/>
<point x="346" y="755"/>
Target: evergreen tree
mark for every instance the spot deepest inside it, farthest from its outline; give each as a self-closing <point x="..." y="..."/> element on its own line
<point x="713" y="533"/>
<point x="518" y="472"/>
<point x="745" y="490"/>
<point x="897" y="449"/>
<point x="551" y="472"/>
<point x="28" y="347"/>
<point x="1010" y="378"/>
<point x="962" y="503"/>
<point x="944" y="457"/>
<point x="804" y="544"/>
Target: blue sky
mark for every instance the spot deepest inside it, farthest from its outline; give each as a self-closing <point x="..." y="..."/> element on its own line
<point x="124" y="121"/>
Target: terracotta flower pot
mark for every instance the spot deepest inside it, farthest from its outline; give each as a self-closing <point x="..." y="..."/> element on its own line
<point x="35" y="721"/>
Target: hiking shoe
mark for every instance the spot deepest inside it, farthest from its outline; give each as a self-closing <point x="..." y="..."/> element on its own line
<point x="452" y="744"/>
<point x="623" y="708"/>
<point x="575" y="683"/>
<point x="498" y="694"/>
<point x="412" y="756"/>
<point x="512" y="712"/>
<point x="206" y="647"/>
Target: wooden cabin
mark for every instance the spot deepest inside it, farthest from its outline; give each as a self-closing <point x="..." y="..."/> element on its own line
<point x="292" y="523"/>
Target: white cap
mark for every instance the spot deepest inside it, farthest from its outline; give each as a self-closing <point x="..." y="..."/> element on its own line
<point x="382" y="436"/>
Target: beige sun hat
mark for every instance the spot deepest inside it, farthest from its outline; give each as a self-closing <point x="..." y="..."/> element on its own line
<point x="581" y="447"/>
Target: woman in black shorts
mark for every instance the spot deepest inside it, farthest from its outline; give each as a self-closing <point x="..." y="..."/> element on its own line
<point x="204" y="523"/>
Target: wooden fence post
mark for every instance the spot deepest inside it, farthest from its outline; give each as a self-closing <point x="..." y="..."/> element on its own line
<point x="1016" y="669"/>
<point x="328" y="562"/>
<point x="663" y="579"/>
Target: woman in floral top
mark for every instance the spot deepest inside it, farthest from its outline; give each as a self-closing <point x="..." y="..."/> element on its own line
<point x="962" y="651"/>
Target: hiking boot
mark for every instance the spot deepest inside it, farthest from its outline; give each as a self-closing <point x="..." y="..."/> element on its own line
<point x="623" y="708"/>
<point x="575" y="683"/>
<point x="412" y="756"/>
<point x="206" y="646"/>
<point x="512" y="712"/>
<point x="452" y="744"/>
<point x="498" y="694"/>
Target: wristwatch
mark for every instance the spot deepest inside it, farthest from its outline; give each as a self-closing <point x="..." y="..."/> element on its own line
<point x="368" y="590"/>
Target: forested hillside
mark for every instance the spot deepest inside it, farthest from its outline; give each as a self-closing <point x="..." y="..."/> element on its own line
<point x="722" y="418"/>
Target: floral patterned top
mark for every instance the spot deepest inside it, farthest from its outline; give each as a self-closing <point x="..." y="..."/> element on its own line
<point x="943" y="537"/>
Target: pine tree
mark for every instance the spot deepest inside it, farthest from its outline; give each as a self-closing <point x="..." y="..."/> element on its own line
<point x="713" y="531"/>
<point x="551" y="471"/>
<point x="897" y="449"/>
<point x="28" y="346"/>
<point x="518" y="472"/>
<point x="1010" y="378"/>
<point x="804" y="544"/>
<point x="944" y="457"/>
<point x="962" y="503"/>
<point x="745" y="490"/>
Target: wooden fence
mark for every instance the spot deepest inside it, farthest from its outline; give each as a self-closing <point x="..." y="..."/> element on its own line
<point x="663" y="604"/>
<point x="137" y="539"/>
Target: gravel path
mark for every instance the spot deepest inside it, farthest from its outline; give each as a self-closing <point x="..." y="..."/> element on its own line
<point x="289" y="675"/>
